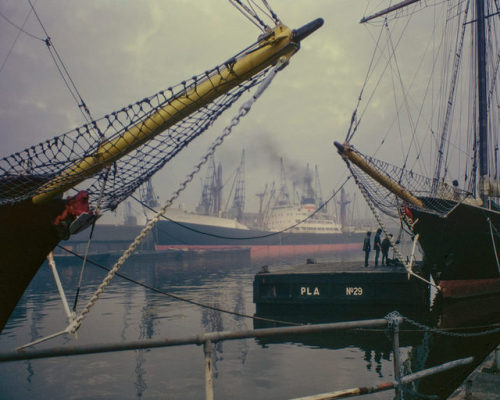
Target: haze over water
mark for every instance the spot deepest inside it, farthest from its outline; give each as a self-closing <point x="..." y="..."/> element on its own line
<point x="245" y="369"/>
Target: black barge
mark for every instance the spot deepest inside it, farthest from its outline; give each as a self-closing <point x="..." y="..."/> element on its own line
<point x="335" y="286"/>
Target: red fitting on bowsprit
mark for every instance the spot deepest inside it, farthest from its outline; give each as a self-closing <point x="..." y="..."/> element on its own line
<point x="75" y="206"/>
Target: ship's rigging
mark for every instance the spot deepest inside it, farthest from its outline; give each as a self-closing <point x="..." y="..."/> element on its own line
<point x="212" y="199"/>
<point x="113" y="156"/>
<point x="457" y="222"/>
<point x="450" y="122"/>
<point x="306" y="191"/>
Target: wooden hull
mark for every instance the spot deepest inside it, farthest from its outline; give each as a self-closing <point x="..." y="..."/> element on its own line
<point x="461" y="245"/>
<point x="27" y="235"/>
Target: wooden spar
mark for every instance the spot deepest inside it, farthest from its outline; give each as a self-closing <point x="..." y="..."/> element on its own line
<point x="347" y="153"/>
<point x="280" y="42"/>
<point x="388" y="10"/>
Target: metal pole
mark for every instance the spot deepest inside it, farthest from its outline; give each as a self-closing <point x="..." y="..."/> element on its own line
<point x="200" y="339"/>
<point x="468" y="389"/>
<point x="397" y="361"/>
<point x="496" y="360"/>
<point x="209" y="385"/>
<point x="52" y="265"/>
<point x="388" y="385"/>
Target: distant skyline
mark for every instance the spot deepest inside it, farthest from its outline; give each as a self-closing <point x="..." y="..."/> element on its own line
<point x="120" y="51"/>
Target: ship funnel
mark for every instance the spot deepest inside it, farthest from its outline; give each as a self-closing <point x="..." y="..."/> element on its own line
<point x="304" y="31"/>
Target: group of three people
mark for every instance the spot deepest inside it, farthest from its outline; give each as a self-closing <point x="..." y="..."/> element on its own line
<point x="379" y="246"/>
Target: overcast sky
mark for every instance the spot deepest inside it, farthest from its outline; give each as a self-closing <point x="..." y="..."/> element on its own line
<point x="121" y="51"/>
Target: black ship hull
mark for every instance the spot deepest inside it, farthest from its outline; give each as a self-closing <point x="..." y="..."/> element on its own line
<point x="27" y="236"/>
<point x="461" y="245"/>
<point x="262" y="244"/>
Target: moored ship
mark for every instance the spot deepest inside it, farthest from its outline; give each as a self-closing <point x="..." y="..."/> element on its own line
<point x="107" y="159"/>
<point x="455" y="223"/>
<point x="287" y="229"/>
<point x="263" y="244"/>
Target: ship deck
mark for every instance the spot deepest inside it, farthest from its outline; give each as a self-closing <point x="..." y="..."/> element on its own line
<point x="338" y="268"/>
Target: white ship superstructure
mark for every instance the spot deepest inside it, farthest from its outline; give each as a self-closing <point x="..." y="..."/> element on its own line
<point x="299" y="218"/>
<point x="182" y="216"/>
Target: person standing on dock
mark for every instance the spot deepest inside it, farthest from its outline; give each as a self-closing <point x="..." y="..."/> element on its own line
<point x="386" y="244"/>
<point x="377" y="245"/>
<point x="366" y="247"/>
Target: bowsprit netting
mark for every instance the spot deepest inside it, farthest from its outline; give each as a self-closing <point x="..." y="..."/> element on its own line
<point x="28" y="173"/>
<point x="437" y="197"/>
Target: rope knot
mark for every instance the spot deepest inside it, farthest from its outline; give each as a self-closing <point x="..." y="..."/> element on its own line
<point x="393" y="319"/>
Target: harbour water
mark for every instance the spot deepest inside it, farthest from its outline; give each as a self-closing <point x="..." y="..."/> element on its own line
<point x="281" y="368"/>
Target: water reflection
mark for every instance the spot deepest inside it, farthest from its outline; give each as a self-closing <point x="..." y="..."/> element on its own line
<point x="461" y="319"/>
<point x="284" y="367"/>
<point x="455" y="321"/>
<point x="374" y="344"/>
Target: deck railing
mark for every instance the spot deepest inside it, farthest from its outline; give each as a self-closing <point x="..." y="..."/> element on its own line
<point x="208" y="339"/>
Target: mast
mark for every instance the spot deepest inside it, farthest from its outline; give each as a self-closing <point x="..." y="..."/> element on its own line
<point x="450" y="105"/>
<point x="261" y="196"/>
<point x="308" y="196"/>
<point x="343" y="208"/>
<point x="217" y="190"/>
<point x="239" y="192"/>
<point x="283" y="199"/>
<point x="318" y="192"/>
<point x="209" y="189"/>
<point x="482" y="99"/>
<point x="482" y="123"/>
<point x="148" y="195"/>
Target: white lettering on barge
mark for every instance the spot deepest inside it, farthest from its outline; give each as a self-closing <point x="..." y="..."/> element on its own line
<point x="307" y="291"/>
<point x="354" y="291"/>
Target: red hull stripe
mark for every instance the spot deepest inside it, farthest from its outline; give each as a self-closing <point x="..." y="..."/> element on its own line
<point x="469" y="288"/>
<point x="266" y="251"/>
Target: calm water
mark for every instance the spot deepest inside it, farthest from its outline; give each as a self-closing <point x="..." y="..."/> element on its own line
<point x="246" y="369"/>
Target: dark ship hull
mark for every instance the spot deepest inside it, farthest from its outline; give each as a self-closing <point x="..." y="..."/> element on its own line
<point x="27" y="235"/>
<point x="263" y="244"/>
<point x="460" y="246"/>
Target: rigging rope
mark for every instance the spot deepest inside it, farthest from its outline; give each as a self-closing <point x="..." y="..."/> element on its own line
<point x="493" y="244"/>
<point x="451" y="98"/>
<point x="273" y="14"/>
<point x="250" y="14"/>
<point x="63" y="70"/>
<point x="25" y="173"/>
<point x="91" y="233"/>
<point x="408" y="265"/>
<point x="448" y="333"/>
<point x="244" y="109"/>
<point x="414" y="183"/>
<point x="75" y="93"/>
<point x="177" y="297"/>
<point x="247" y="237"/>
<point x="354" y="121"/>
<point x="20" y="30"/>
